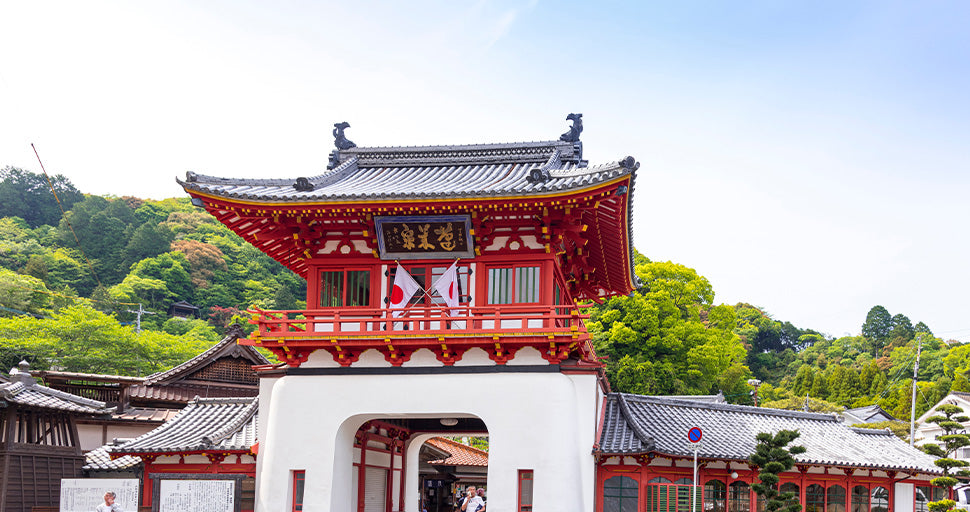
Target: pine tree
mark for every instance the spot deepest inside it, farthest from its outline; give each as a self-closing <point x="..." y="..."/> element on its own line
<point x="949" y="418"/>
<point x="772" y="457"/>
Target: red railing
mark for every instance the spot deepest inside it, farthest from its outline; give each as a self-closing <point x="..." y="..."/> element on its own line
<point x="433" y="321"/>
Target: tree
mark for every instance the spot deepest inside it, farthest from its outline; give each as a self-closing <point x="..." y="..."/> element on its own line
<point x="667" y="337"/>
<point x="901" y="329"/>
<point x="877" y="327"/>
<point x="28" y="195"/>
<point x="949" y="417"/>
<point x="772" y="456"/>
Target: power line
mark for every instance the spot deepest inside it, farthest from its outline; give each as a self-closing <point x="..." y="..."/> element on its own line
<point x="64" y="216"/>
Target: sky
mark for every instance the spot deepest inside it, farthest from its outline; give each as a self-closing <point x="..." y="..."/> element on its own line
<point x="810" y="158"/>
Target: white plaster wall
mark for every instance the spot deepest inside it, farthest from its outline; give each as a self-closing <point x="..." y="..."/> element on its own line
<point x="538" y="421"/>
<point x="90" y="436"/>
<point x="903" y="497"/>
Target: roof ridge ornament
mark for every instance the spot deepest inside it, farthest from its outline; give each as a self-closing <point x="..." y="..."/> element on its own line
<point x="341" y="142"/>
<point x="573" y="135"/>
<point x="577" y="128"/>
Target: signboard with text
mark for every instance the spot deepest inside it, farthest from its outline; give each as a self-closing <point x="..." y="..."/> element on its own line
<point x="197" y="496"/>
<point x="424" y="237"/>
<point x="85" y="494"/>
<point x="196" y="492"/>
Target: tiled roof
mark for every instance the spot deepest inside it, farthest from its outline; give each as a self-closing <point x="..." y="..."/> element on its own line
<point x="713" y="399"/>
<point x="226" y="347"/>
<point x="181" y="394"/>
<point x="639" y="424"/>
<point x="145" y="414"/>
<point x="99" y="460"/>
<point x="23" y="390"/>
<point x="462" y="172"/>
<point x="461" y="454"/>
<point x="53" y="375"/>
<point x="867" y="414"/>
<point x="205" y="424"/>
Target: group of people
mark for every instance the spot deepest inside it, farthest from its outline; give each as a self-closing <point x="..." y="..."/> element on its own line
<point x="473" y="500"/>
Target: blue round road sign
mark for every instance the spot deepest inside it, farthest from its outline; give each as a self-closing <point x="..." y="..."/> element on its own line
<point x="694" y="435"/>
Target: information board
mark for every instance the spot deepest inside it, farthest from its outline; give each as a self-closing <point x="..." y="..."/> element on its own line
<point x="197" y="496"/>
<point x="85" y="494"/>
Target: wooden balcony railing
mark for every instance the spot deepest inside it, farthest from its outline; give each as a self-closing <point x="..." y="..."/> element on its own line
<point x="534" y="325"/>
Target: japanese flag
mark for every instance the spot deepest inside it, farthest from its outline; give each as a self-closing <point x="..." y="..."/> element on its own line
<point x="404" y="288"/>
<point x="447" y="286"/>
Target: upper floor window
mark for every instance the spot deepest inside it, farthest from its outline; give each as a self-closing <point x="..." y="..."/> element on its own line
<point x="514" y="285"/>
<point x="344" y="288"/>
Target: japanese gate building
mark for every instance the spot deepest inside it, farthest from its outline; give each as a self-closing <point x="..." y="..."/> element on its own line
<point x="532" y="230"/>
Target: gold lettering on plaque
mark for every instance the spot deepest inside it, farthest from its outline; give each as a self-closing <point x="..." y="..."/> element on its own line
<point x="407" y="237"/>
<point x="445" y="237"/>
<point x="423" y="236"/>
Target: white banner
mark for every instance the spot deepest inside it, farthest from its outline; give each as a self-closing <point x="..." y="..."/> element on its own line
<point x="197" y="496"/>
<point x="85" y="494"/>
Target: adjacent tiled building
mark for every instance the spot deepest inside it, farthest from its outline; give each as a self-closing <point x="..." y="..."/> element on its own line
<point x="645" y="459"/>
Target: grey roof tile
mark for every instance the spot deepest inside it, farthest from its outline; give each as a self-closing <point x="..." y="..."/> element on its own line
<point x="427" y="172"/>
<point x="205" y="424"/>
<point x="100" y="460"/>
<point x="636" y="424"/>
<point x="23" y="389"/>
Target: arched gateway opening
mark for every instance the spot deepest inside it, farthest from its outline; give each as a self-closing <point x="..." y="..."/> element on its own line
<point x="416" y="460"/>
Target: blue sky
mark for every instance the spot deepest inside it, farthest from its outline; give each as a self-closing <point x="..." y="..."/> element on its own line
<point x="809" y="158"/>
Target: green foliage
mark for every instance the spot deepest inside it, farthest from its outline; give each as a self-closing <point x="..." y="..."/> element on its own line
<point x="668" y="337"/>
<point x="773" y="456"/>
<point x="82" y="339"/>
<point x="899" y="428"/>
<point x="877" y="327"/>
<point x="797" y="403"/>
<point x="28" y="195"/>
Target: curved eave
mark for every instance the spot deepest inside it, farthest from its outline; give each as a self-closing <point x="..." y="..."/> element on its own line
<point x="197" y="450"/>
<point x="244" y="201"/>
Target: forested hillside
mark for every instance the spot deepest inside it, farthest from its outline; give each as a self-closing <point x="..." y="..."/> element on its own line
<point x="88" y="270"/>
<point x="69" y="285"/>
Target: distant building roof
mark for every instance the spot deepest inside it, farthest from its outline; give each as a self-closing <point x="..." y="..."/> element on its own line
<point x="227" y="347"/>
<point x="206" y="424"/>
<point x="461" y="454"/>
<point x="710" y="399"/>
<point x="867" y="414"/>
<point x="23" y="390"/>
<point x="635" y="424"/>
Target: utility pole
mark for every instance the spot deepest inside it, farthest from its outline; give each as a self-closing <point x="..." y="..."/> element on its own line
<point x="141" y="311"/>
<point x="912" y="411"/>
<point x="754" y="383"/>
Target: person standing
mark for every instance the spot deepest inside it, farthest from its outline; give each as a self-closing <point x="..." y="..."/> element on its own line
<point x="472" y="503"/>
<point x="109" y="504"/>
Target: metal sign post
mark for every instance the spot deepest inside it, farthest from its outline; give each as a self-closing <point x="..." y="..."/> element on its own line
<point x="694" y="435"/>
